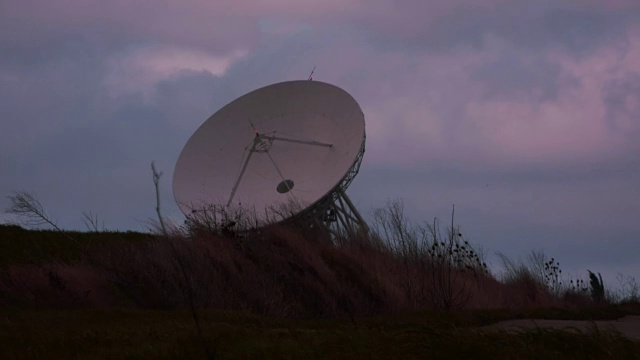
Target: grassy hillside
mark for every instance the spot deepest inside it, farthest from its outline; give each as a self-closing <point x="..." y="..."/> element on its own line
<point x="281" y="294"/>
<point x="22" y="246"/>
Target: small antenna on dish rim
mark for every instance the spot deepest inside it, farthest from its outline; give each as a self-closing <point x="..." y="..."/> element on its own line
<point x="311" y="75"/>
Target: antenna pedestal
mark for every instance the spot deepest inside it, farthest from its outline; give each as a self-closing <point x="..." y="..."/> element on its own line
<point x="342" y="218"/>
<point x="336" y="213"/>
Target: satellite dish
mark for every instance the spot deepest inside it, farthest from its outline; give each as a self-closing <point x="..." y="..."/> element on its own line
<point x="287" y="150"/>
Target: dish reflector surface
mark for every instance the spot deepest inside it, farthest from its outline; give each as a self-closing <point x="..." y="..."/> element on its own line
<point x="291" y="142"/>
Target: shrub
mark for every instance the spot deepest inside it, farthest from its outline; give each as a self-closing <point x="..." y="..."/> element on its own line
<point x="597" y="287"/>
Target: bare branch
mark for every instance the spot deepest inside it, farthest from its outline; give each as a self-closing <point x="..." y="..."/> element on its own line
<point x="156" y="182"/>
<point x="188" y="285"/>
<point x="27" y="207"/>
<point x="30" y="210"/>
<point x="90" y="220"/>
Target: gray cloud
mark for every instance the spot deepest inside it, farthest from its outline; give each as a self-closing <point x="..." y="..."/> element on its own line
<point x="528" y="25"/>
<point x="511" y="76"/>
<point x="81" y="150"/>
<point x="622" y="99"/>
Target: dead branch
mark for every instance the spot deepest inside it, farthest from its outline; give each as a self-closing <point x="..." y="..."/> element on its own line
<point x="33" y="214"/>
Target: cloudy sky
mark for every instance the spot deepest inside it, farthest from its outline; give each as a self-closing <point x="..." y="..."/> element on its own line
<point x="522" y="113"/>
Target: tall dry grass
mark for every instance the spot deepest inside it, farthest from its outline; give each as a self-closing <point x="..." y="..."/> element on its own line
<point x="286" y="271"/>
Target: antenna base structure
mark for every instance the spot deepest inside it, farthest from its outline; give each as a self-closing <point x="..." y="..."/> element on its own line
<point x="336" y="213"/>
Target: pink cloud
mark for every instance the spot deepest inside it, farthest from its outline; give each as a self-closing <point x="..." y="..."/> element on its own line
<point x="428" y="108"/>
<point x="421" y="107"/>
<point x="409" y="18"/>
<point x="140" y="70"/>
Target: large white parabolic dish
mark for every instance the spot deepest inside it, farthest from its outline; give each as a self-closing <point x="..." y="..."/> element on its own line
<point x="291" y="142"/>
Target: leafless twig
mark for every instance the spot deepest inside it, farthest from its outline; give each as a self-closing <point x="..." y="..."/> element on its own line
<point x="156" y="182"/>
<point x="90" y="220"/>
<point x="31" y="211"/>
<point x="188" y="285"/>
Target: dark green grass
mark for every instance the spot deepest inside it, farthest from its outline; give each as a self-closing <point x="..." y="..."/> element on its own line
<point x="138" y="334"/>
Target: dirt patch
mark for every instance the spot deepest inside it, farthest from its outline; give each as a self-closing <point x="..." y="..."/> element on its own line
<point x="628" y="326"/>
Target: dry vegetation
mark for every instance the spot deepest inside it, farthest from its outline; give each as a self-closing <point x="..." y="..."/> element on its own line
<point x="277" y="272"/>
<point x="286" y="272"/>
<point x="281" y="271"/>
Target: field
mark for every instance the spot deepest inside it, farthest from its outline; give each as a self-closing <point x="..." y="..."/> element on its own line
<point x="142" y="334"/>
<point x="405" y="293"/>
